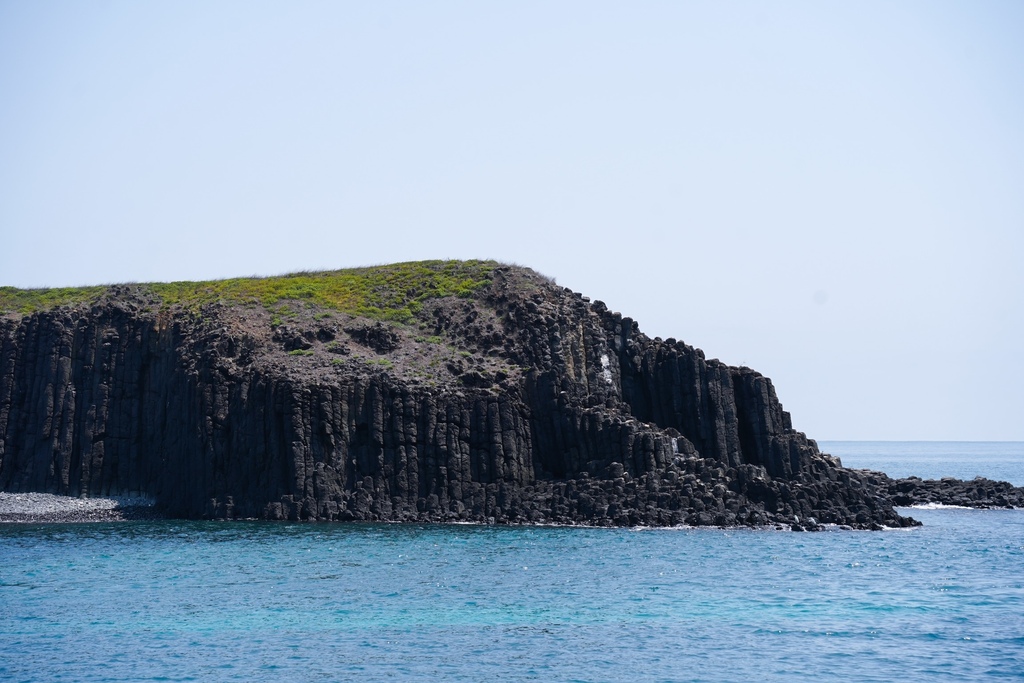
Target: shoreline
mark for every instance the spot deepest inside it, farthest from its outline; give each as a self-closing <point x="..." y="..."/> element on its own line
<point x="48" y="508"/>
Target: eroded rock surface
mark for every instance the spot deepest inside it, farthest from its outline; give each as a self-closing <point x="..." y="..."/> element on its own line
<point x="974" y="493"/>
<point x="522" y="402"/>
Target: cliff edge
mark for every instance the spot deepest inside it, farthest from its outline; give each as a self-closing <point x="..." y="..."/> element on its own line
<point x="429" y="391"/>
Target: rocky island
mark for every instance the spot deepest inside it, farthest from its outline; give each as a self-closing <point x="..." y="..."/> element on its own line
<point x="435" y="391"/>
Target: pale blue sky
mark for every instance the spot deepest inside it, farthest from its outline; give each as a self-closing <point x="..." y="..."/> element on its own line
<point x="830" y="193"/>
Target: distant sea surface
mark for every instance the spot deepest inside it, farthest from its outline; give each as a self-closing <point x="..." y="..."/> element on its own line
<point x="244" y="601"/>
<point x="999" y="460"/>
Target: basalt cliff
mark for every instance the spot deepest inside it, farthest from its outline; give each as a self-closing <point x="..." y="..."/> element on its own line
<point x="433" y="391"/>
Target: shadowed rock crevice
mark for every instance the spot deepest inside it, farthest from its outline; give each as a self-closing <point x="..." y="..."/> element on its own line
<point x="516" y="401"/>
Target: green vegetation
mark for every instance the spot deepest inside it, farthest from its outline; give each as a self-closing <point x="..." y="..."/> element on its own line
<point x="393" y="292"/>
<point x="301" y="352"/>
<point x="32" y="300"/>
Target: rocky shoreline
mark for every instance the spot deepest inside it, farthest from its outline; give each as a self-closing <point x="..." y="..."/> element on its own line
<point x="35" y="508"/>
<point x="978" y="493"/>
<point x="425" y="392"/>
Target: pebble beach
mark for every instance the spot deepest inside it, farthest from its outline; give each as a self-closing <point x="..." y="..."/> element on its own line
<point x="50" y="508"/>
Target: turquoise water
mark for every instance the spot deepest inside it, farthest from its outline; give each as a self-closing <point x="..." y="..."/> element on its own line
<point x="268" y="601"/>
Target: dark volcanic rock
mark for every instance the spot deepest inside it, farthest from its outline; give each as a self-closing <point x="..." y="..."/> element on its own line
<point x="523" y="403"/>
<point x="377" y="336"/>
<point x="293" y="340"/>
<point x="975" y="493"/>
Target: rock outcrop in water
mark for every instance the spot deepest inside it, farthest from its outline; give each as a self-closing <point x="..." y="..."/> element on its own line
<point x="514" y="401"/>
<point x="979" y="492"/>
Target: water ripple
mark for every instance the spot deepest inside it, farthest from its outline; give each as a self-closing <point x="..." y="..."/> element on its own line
<point x="250" y="601"/>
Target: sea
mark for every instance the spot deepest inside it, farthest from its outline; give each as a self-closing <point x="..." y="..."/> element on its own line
<point x="263" y="601"/>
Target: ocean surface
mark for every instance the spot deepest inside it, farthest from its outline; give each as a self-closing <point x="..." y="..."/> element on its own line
<point x="222" y="601"/>
<point x="999" y="460"/>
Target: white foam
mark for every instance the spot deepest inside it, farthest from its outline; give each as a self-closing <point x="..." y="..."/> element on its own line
<point x="939" y="506"/>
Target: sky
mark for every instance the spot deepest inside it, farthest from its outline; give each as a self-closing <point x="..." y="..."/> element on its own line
<point x="829" y="193"/>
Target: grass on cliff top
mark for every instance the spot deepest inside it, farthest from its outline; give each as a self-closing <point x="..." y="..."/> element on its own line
<point x="14" y="300"/>
<point x="392" y="292"/>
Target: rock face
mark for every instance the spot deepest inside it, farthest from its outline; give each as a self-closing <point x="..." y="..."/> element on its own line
<point x="518" y="402"/>
<point x="974" y="493"/>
